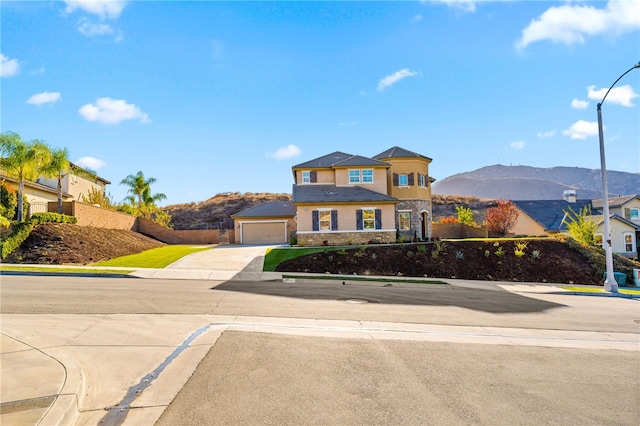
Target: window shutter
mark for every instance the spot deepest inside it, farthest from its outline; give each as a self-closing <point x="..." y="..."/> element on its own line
<point x="359" y="225"/>
<point x="627" y="213"/>
<point x="395" y="179"/>
<point x="378" y="219"/>
<point x="316" y="220"/>
<point x="313" y="175"/>
<point x="334" y="220"/>
<point x="411" y="182"/>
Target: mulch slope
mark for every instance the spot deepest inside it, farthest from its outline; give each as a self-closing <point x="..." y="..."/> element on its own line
<point x="555" y="262"/>
<point x="57" y="243"/>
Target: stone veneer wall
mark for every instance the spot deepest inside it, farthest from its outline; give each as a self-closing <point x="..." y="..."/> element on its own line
<point x="344" y="238"/>
<point x="89" y="215"/>
<point x="416" y="206"/>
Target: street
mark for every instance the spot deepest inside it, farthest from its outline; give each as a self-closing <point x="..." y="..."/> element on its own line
<point x="320" y="352"/>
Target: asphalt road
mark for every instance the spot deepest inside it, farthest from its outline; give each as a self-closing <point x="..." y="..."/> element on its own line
<point x="293" y="375"/>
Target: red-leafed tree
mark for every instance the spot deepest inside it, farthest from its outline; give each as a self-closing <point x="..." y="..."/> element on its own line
<point x="502" y="218"/>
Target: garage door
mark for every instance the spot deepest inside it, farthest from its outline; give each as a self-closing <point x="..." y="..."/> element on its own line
<point x="264" y="233"/>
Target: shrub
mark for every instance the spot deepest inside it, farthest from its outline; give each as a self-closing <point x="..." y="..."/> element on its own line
<point x="502" y="218"/>
<point x="465" y="215"/>
<point x="459" y="255"/>
<point x="38" y="218"/>
<point x="22" y="230"/>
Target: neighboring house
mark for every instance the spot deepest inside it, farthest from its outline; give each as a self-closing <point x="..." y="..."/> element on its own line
<point x="77" y="184"/>
<point x="343" y="198"/>
<point x="267" y="223"/>
<point x="547" y="217"/>
<point x="36" y="194"/>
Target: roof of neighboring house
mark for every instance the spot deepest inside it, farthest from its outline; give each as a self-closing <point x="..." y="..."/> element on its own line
<point x="397" y="152"/>
<point x="615" y="201"/>
<point x="326" y="161"/>
<point x="37" y="186"/>
<point x="550" y="214"/>
<point x="103" y="180"/>
<point x="600" y="218"/>
<point x="332" y="194"/>
<point x="269" y="209"/>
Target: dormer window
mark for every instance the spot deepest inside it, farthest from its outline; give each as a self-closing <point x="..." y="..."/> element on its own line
<point x="306" y="176"/>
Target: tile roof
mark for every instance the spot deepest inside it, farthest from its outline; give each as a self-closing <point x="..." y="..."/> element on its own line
<point x="615" y="201"/>
<point x="337" y="194"/>
<point x="396" y="152"/>
<point x="269" y="209"/>
<point x="326" y="161"/>
<point x="550" y="213"/>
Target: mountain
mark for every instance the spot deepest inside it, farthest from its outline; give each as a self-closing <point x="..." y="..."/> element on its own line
<point x="534" y="183"/>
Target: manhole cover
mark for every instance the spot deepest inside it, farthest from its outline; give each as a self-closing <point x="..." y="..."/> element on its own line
<point x="638" y="321"/>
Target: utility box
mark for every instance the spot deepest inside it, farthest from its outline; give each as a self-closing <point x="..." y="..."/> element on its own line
<point x="620" y="277"/>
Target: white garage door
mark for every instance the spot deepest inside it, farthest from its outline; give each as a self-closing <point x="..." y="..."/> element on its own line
<point x="264" y="233"/>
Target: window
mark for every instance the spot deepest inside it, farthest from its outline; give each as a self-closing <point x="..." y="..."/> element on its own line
<point x="422" y="180"/>
<point x="634" y="214"/>
<point x="358" y="176"/>
<point x="368" y="219"/>
<point x="403" y="180"/>
<point x="628" y="242"/>
<point x="306" y="176"/>
<point x="324" y="217"/>
<point x="404" y="221"/>
<point x="598" y="239"/>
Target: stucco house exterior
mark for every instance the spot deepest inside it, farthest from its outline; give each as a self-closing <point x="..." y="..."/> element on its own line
<point x="547" y="217"/>
<point x="76" y="184"/>
<point x="343" y="198"/>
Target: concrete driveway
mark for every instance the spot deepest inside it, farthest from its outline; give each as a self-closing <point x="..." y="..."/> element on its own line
<point x="220" y="263"/>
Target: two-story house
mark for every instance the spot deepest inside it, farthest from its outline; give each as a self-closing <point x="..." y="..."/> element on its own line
<point x="342" y="198"/>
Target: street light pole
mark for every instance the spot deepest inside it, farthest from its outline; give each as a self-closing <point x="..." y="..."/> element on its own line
<point x="610" y="283"/>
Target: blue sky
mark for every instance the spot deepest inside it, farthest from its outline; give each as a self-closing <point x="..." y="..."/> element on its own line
<point x="212" y="97"/>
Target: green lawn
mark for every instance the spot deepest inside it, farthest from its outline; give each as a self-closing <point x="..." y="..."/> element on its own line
<point x="275" y="256"/>
<point x="601" y="290"/>
<point x="154" y="258"/>
<point x="69" y="270"/>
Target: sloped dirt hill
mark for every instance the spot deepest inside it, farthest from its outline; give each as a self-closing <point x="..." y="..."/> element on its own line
<point x="57" y="243"/>
<point x="544" y="261"/>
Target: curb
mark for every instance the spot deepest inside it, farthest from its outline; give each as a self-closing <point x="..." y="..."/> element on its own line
<point x="65" y="410"/>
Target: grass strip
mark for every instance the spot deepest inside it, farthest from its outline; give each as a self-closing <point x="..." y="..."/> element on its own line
<point x="155" y="258"/>
<point x="276" y="256"/>
<point x="601" y="290"/>
<point x="65" y="270"/>
<point x="361" y="278"/>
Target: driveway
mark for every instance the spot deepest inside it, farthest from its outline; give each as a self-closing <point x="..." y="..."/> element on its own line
<point x="220" y="263"/>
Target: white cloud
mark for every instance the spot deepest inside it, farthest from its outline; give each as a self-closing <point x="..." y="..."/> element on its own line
<point x="622" y="95"/>
<point x="579" y="104"/>
<point x="519" y="145"/>
<point x="39" y="71"/>
<point x="8" y="67"/>
<point x="285" y="153"/>
<point x="570" y="23"/>
<point x="44" y="98"/>
<point x="112" y="111"/>
<point x="417" y="18"/>
<point x="581" y="129"/>
<point x="90" y="29"/>
<point x="464" y="5"/>
<point x="392" y="79"/>
<point x="90" y="163"/>
<point x="105" y="9"/>
<point x="549" y="134"/>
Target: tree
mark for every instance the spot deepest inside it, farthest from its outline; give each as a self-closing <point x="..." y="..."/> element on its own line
<point x="140" y="190"/>
<point x="502" y="218"/>
<point x="465" y="215"/>
<point x="581" y="225"/>
<point x="97" y="196"/>
<point x="57" y="166"/>
<point x="22" y="160"/>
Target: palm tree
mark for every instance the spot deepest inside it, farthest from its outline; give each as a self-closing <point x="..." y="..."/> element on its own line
<point x="140" y="190"/>
<point x="57" y="166"/>
<point x="22" y="160"/>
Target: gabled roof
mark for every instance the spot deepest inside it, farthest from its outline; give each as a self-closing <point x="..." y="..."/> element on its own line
<point x="600" y="218"/>
<point x="359" y="160"/>
<point x="326" y="161"/>
<point x="91" y="172"/>
<point x="332" y="194"/>
<point x="550" y="214"/>
<point x="615" y="201"/>
<point x="269" y="209"/>
<point x="397" y="152"/>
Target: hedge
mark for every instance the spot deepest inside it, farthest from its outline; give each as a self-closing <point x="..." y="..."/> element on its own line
<point x="22" y="230"/>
